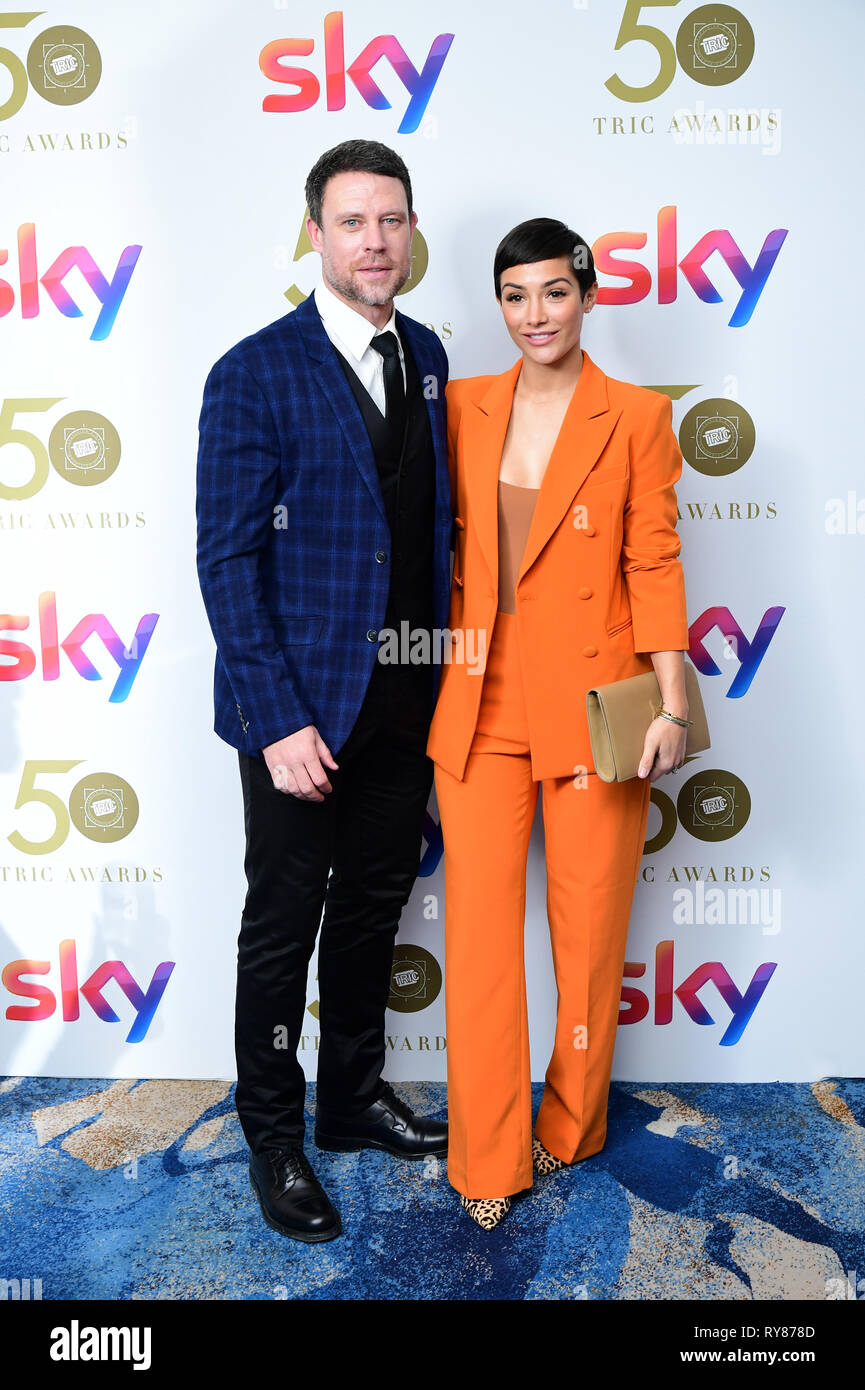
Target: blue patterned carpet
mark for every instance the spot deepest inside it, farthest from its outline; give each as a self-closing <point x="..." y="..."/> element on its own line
<point x="139" y="1190"/>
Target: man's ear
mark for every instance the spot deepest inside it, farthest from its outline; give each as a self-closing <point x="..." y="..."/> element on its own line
<point x="313" y="231"/>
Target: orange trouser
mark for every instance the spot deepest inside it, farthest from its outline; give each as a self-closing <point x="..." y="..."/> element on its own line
<point x="594" y="837"/>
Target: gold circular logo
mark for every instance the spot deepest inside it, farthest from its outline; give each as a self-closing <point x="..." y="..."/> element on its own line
<point x="84" y="448"/>
<point x="103" y="807"/>
<point x="717" y="436"/>
<point x="64" y="65"/>
<point x="415" y="980"/>
<point x="714" y="805"/>
<point x="715" y="45"/>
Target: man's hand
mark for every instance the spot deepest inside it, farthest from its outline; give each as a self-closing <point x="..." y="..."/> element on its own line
<point x="295" y="764"/>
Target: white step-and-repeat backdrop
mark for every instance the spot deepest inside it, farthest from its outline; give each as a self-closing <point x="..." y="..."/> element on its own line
<point x="153" y="159"/>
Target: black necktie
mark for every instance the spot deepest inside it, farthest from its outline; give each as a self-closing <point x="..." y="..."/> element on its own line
<point x="394" y="390"/>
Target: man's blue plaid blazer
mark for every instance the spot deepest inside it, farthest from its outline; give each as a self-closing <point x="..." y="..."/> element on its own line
<point x="290" y="518"/>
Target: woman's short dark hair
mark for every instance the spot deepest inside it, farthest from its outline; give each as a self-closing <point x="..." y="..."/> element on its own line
<point x="544" y="239"/>
<point x="366" y="156"/>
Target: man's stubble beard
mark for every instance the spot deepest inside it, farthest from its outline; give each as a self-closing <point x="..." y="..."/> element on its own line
<point x="348" y="287"/>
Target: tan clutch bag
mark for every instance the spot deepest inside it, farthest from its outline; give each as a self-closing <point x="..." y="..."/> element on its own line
<point x="620" y="713"/>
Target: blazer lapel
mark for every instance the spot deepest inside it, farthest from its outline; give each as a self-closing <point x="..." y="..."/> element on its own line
<point x="331" y="378"/>
<point x="586" y="427"/>
<point x="483" y="431"/>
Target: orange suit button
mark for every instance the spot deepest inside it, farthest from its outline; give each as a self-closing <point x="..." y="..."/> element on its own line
<point x="459" y="523"/>
<point x="590" y="651"/>
<point x="590" y="530"/>
<point x="584" y="593"/>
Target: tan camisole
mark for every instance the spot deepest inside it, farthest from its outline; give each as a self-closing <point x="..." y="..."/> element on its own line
<point x="516" y="508"/>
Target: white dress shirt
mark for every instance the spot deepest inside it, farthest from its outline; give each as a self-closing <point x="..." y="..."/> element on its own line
<point x="352" y="334"/>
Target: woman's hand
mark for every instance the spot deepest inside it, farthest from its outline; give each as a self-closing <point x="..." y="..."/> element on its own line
<point x="663" y="750"/>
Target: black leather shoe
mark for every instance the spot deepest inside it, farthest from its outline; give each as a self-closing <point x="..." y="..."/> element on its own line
<point x="291" y="1198"/>
<point x="387" y="1124"/>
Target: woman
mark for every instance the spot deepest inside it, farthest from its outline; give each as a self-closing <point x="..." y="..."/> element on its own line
<point x="566" y="576"/>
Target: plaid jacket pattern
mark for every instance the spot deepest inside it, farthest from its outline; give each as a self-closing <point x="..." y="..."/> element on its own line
<point x="293" y="545"/>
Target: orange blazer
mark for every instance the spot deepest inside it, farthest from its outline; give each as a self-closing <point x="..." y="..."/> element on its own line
<point x="600" y="584"/>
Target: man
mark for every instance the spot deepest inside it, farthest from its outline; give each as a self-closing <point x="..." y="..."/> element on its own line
<point x="324" y="521"/>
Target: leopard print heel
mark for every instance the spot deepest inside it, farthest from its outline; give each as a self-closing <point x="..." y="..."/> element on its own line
<point x="543" y="1161"/>
<point x="486" y="1211"/>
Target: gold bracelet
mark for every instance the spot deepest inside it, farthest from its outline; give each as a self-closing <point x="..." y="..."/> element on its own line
<point x="661" y="713"/>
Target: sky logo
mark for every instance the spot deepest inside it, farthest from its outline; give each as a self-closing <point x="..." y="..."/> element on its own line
<point x="751" y="278"/>
<point x="741" y="1006"/>
<point x="419" y="85"/>
<point x="44" y="1000"/>
<point x="748" y="654"/>
<point x="109" y="292"/>
<point x="23" y="657"/>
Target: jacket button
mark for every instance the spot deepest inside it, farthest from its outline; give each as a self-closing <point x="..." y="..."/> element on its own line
<point x="590" y="530"/>
<point x="584" y="593"/>
<point x="459" y="523"/>
<point x="372" y="635"/>
<point x="381" y="556"/>
<point x="590" y="651"/>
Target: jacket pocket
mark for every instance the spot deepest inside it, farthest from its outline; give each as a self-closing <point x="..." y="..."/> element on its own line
<point x="298" y="631"/>
<point x="620" y="627"/>
<point x="608" y="473"/>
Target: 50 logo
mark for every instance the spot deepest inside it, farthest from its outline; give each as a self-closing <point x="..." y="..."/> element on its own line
<point x="102" y="806"/>
<point x="419" y="85"/>
<point x="713" y="805"/>
<point x="63" y="65"/>
<point x="83" y="447"/>
<point x="717" y="436"/>
<point x="415" y="979"/>
<point x="714" y="46"/>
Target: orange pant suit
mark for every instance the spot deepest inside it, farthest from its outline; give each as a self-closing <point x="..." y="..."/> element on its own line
<point x="596" y="588"/>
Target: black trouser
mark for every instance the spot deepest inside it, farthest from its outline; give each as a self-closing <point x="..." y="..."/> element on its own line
<point x="368" y="831"/>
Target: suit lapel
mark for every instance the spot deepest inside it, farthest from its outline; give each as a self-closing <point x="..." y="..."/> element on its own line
<point x="331" y="378"/>
<point x="586" y="427"/>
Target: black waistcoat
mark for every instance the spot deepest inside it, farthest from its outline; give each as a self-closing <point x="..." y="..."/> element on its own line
<point x="401" y="693"/>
